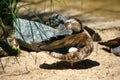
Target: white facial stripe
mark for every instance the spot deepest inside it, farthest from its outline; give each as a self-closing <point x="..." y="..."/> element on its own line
<point x="69" y="26"/>
<point x="70" y="21"/>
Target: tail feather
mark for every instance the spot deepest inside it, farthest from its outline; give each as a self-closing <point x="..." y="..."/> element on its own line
<point x="94" y="35"/>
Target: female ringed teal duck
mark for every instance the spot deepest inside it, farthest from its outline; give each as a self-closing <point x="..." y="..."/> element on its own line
<point x="74" y="47"/>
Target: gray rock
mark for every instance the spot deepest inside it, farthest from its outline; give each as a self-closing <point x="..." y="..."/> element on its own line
<point x="30" y="31"/>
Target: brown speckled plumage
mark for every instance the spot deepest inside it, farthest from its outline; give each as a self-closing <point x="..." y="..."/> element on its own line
<point x="79" y="39"/>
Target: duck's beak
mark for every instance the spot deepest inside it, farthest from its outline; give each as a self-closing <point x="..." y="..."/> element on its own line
<point x="64" y="28"/>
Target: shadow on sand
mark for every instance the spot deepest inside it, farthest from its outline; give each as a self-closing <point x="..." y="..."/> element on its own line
<point x="85" y="64"/>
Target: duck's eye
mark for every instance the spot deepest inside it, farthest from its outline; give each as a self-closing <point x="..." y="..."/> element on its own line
<point x="68" y="22"/>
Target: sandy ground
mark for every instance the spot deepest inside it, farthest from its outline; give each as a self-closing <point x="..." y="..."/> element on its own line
<point x="100" y="65"/>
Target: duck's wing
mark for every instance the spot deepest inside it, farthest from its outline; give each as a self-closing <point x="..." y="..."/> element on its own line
<point x="79" y="54"/>
<point x="67" y="41"/>
<point x="52" y="39"/>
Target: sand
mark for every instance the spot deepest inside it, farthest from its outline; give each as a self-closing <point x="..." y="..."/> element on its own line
<point x="100" y="65"/>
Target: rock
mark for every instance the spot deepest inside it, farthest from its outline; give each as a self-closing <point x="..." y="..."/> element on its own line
<point x="28" y="32"/>
<point x="116" y="51"/>
<point x="57" y="20"/>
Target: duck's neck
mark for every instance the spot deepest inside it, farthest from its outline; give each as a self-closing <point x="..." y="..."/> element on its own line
<point x="75" y="32"/>
<point x="77" y="29"/>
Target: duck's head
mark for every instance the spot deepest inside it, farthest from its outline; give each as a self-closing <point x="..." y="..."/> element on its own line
<point x="74" y="24"/>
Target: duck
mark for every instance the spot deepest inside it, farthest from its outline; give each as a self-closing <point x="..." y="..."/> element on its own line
<point x="113" y="45"/>
<point x="71" y="48"/>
